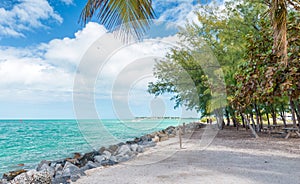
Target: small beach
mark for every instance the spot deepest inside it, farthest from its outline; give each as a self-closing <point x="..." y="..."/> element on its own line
<point x="232" y="157"/>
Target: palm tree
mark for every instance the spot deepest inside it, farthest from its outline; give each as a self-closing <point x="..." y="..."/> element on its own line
<point x="278" y="10"/>
<point x="278" y="14"/>
<point x="130" y="17"/>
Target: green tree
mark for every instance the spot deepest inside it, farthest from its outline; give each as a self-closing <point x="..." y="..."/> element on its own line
<point x="263" y="80"/>
<point x="223" y="32"/>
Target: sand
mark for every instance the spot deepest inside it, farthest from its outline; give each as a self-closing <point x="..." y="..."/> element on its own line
<point x="232" y="157"/>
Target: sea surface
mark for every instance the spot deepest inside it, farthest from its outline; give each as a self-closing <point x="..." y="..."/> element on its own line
<point x="30" y="141"/>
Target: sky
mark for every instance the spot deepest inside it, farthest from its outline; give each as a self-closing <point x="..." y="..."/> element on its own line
<point x="45" y="54"/>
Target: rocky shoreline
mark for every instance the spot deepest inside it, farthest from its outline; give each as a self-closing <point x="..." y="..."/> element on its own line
<point x="71" y="169"/>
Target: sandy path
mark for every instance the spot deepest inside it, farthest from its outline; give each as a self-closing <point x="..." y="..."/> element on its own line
<point x="226" y="160"/>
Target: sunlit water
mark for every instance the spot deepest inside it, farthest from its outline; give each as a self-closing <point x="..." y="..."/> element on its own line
<point x="30" y="141"/>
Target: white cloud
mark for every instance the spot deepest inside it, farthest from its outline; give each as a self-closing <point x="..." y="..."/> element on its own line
<point x="177" y="12"/>
<point x="130" y="69"/>
<point x="41" y="72"/>
<point x="7" y="31"/>
<point x="68" y="2"/>
<point x="68" y="51"/>
<point x="29" y="77"/>
<point x="26" y="15"/>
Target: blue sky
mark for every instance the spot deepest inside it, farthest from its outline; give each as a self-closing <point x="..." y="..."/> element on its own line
<point x="67" y="10"/>
<point x="42" y="44"/>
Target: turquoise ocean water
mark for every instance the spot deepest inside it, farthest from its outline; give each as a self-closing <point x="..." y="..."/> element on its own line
<point x="30" y="141"/>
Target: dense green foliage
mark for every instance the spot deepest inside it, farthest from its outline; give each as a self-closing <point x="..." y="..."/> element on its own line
<point x="258" y="80"/>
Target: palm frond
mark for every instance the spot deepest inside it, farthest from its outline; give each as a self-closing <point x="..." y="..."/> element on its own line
<point x="129" y="17"/>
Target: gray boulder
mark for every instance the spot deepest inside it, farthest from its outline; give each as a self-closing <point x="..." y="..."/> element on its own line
<point x="43" y="162"/>
<point x="124" y="150"/>
<point x="58" y="174"/>
<point x="146" y="138"/>
<point x="113" y="148"/>
<point x="58" y="170"/>
<point x="72" y="171"/>
<point x="106" y="154"/>
<point x="90" y="165"/>
<point x="114" y="159"/>
<point x="120" y="144"/>
<point x="123" y="158"/>
<point x="58" y="167"/>
<point x="133" y="147"/>
<point x="108" y="163"/>
<point x="102" y="149"/>
<point x="140" y="149"/>
<point x="87" y="157"/>
<point x="148" y="144"/>
<point x="73" y="178"/>
<point x="46" y="168"/>
<point x="61" y="180"/>
<point x="99" y="158"/>
<point x="53" y="164"/>
<point x="137" y="148"/>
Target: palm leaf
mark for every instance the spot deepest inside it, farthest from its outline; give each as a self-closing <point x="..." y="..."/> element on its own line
<point x="129" y="17"/>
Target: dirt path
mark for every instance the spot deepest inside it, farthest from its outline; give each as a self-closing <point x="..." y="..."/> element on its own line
<point x="232" y="157"/>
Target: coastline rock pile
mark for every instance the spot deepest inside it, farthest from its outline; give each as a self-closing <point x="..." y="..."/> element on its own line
<point x="70" y="169"/>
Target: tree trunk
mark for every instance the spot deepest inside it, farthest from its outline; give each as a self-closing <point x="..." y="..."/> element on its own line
<point x="243" y="121"/>
<point x="219" y="115"/>
<point x="248" y="117"/>
<point x="234" y="119"/>
<point x="227" y="116"/>
<point x="260" y="119"/>
<point x="273" y="114"/>
<point x="292" y="106"/>
<point x="257" y="118"/>
<point x="251" y="128"/>
<point x="268" y="119"/>
<point x="297" y="110"/>
<point x="252" y="119"/>
<point x="282" y="115"/>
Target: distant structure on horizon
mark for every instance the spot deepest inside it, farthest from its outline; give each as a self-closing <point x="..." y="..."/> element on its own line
<point x="151" y="118"/>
